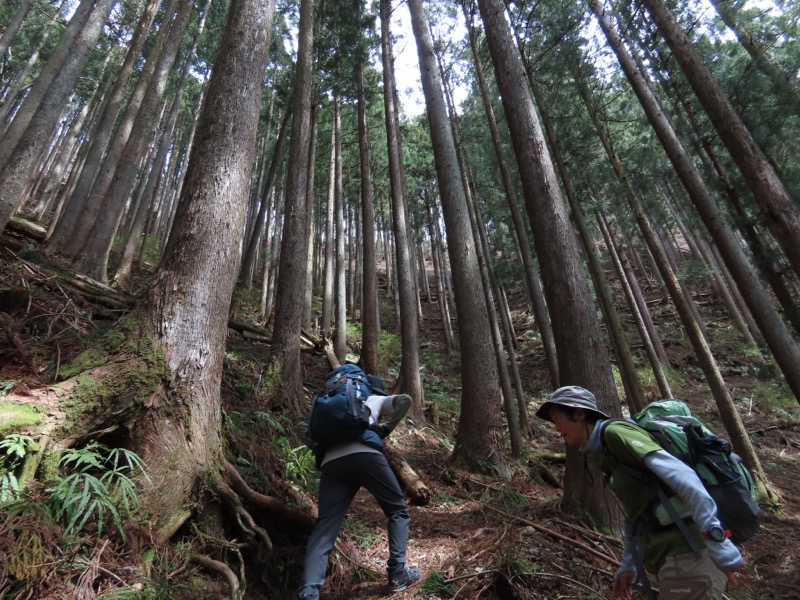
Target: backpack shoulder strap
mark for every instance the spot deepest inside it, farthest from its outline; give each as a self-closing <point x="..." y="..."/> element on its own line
<point x="645" y="476"/>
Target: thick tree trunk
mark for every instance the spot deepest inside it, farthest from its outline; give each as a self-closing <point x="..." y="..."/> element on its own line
<point x="535" y="292"/>
<point x="634" y="395"/>
<point x="186" y="311"/>
<point x="582" y="354"/>
<point x="490" y="290"/>
<point x="479" y="437"/>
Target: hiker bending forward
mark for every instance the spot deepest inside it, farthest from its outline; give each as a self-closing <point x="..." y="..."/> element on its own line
<point x="345" y="468"/>
<point x="651" y="540"/>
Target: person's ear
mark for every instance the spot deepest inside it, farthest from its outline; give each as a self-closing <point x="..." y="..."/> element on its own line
<point x="579" y="415"/>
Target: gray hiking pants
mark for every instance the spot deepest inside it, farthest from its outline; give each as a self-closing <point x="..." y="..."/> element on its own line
<point x="341" y="479"/>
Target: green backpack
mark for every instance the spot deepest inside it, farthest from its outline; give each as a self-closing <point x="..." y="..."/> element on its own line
<point x="722" y="472"/>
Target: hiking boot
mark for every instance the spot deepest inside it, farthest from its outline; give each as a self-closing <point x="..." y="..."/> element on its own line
<point x="400" y="578"/>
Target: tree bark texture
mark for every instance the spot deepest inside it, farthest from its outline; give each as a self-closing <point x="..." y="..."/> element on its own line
<point x="186" y="310"/>
<point x="479" y="437"/>
<point x="582" y="355"/>
<point x="534" y="286"/>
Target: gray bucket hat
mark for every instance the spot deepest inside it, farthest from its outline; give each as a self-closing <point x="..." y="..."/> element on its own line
<point x="573" y="396"/>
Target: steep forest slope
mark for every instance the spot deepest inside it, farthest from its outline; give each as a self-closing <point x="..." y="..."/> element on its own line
<point x="477" y="538"/>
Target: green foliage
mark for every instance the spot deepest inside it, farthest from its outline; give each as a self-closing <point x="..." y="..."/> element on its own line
<point x="99" y="487"/>
<point x="364" y="536"/>
<point x="267" y="420"/>
<point x="390" y="350"/>
<point x="12" y="451"/>
<point x="299" y="461"/>
<point x="514" y="565"/>
<point x="449" y="500"/>
<point x="435" y="583"/>
<point x="771" y="397"/>
<point x="507" y="498"/>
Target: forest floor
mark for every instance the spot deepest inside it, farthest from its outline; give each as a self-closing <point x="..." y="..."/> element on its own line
<point x="479" y="537"/>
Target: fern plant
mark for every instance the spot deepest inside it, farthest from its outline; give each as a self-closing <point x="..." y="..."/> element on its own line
<point x="100" y="487"/>
<point x="12" y="451"/>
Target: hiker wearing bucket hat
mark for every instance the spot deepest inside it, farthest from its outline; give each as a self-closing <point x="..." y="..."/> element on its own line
<point x="619" y="448"/>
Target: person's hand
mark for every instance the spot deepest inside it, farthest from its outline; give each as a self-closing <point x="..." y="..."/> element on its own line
<point x="621" y="588"/>
<point x="381" y="430"/>
<point x="731" y="574"/>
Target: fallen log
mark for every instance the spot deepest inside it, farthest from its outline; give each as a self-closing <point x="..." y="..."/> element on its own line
<point x="416" y="489"/>
<point x="27" y="228"/>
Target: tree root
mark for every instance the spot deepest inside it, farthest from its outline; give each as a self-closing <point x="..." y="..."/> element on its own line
<point x="292" y="517"/>
<point x="222" y="569"/>
<point x="253" y="532"/>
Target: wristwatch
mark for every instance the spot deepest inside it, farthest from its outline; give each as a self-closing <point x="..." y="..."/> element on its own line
<point x="716" y="534"/>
